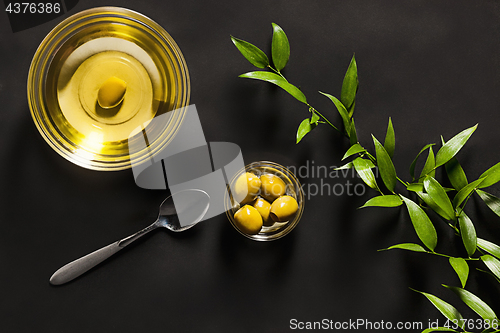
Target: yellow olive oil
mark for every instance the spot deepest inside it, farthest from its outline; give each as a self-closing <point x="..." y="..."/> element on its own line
<point x="88" y="61"/>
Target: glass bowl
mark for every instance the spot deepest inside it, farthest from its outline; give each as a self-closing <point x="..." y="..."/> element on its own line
<point x="76" y="57"/>
<point x="293" y="189"/>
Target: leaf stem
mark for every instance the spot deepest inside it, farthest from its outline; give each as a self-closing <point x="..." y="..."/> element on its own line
<point x="447" y="256"/>
<point x="454" y="227"/>
<point x="465" y="202"/>
<point x="372" y="158"/>
<point x="423" y="176"/>
<point x="311" y="107"/>
<point x="402" y="181"/>
<point x="277" y="72"/>
<point x="327" y="121"/>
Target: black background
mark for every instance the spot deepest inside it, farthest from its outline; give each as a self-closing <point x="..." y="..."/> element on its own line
<point x="433" y="66"/>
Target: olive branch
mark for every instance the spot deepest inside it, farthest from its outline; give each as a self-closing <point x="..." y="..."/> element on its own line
<point x="429" y="194"/>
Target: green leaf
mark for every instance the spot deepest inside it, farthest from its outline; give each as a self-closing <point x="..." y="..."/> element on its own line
<point x="314" y="118"/>
<point x="461" y="268"/>
<point x="456" y="174"/>
<point x="428" y="200"/>
<point x="468" y="233"/>
<point x="453" y="146"/>
<point x="489" y="247"/>
<point x="277" y="80"/>
<point x="429" y="165"/>
<point x="355" y="148"/>
<point x="445" y="308"/>
<point x="350" y="165"/>
<point x="439" y="196"/>
<point x="414" y="163"/>
<point x="422" y="224"/>
<point x="492" y="263"/>
<point x="407" y="246"/>
<point x="493" y="175"/>
<point x="304" y="128"/>
<point x="438" y="329"/>
<point x="350" y="110"/>
<point x="466" y="191"/>
<point x="353" y="136"/>
<point x="350" y="85"/>
<point x="384" y="201"/>
<point x="280" y="48"/>
<point x="490" y="200"/>
<point x="390" y="139"/>
<point x="385" y="166"/>
<point x="251" y="52"/>
<point x="345" y="166"/>
<point x="342" y="111"/>
<point x="474" y="302"/>
<point x="415" y="187"/>
<point x="363" y="168"/>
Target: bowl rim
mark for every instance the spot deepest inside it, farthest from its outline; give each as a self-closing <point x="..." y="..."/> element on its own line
<point x="287" y="226"/>
<point x="36" y="89"/>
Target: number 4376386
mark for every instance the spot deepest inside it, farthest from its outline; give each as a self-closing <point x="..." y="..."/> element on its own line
<point x="472" y="324"/>
<point x="33" y="8"/>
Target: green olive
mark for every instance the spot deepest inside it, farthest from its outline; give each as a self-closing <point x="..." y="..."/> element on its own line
<point x="272" y="187"/>
<point x="248" y="220"/>
<point x="264" y="208"/>
<point x="283" y="208"/>
<point x="246" y="188"/>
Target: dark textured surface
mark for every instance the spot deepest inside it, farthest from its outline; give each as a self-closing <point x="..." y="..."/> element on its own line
<point x="433" y="66"/>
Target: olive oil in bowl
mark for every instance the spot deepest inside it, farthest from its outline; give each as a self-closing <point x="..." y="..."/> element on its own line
<point x="84" y="54"/>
